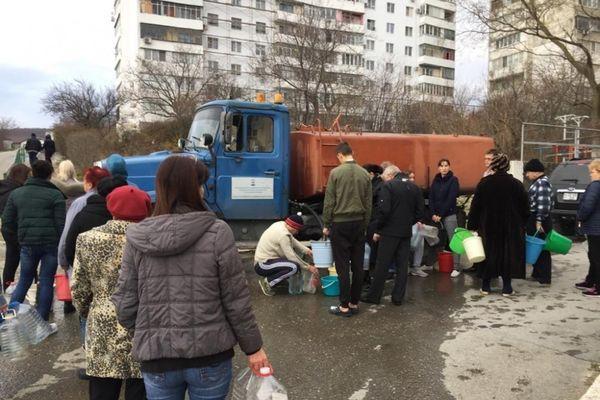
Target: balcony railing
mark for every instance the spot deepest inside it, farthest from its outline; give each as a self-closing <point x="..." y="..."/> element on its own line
<point x="158" y="7"/>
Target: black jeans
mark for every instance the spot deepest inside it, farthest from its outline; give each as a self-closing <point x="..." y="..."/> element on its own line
<point x="542" y="269"/>
<point x="391" y="250"/>
<point x="348" y="248"/>
<point x="11" y="260"/>
<point x="594" y="257"/>
<point x="110" y="388"/>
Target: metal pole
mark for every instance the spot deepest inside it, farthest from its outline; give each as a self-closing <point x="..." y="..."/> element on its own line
<point x="576" y="151"/>
<point x="522" y="140"/>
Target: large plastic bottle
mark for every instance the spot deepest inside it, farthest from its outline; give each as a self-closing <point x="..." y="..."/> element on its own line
<point x="295" y="284"/>
<point x="248" y="386"/>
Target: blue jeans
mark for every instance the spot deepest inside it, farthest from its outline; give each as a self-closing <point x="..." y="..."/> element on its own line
<point x="30" y="258"/>
<point x="207" y="383"/>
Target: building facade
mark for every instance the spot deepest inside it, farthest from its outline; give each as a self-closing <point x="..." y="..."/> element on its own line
<point x="413" y="40"/>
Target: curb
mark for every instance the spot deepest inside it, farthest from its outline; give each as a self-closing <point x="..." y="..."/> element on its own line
<point x="593" y="392"/>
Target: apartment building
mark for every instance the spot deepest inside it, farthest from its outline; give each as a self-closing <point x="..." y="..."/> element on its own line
<point x="515" y="57"/>
<point x="409" y="39"/>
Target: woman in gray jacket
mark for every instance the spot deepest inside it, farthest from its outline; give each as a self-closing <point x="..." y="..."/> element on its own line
<point x="183" y="291"/>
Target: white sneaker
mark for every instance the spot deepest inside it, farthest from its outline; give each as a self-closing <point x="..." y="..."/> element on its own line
<point x="416" y="271"/>
<point x="427" y="268"/>
<point x="9" y="290"/>
<point x="455" y="273"/>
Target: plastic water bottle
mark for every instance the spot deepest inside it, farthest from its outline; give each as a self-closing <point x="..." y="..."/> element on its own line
<point x="3" y="304"/>
<point x="248" y="386"/>
<point x="296" y="284"/>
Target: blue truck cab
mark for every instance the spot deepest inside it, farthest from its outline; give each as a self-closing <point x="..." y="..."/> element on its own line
<point x="245" y="146"/>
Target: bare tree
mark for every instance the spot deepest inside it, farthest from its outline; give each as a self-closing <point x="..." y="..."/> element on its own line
<point x="173" y="89"/>
<point x="6" y="124"/>
<point x="81" y="103"/>
<point x="546" y="21"/>
<point x="303" y="60"/>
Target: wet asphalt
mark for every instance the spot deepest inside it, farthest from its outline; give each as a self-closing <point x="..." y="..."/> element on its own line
<point x="444" y="342"/>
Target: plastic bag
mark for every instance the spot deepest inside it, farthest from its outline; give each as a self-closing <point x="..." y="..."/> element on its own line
<point x="311" y="282"/>
<point x="248" y="386"/>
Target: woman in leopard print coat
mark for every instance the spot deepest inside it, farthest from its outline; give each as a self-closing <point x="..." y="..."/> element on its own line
<point x="95" y="274"/>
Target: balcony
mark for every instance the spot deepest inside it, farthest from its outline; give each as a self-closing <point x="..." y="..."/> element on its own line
<point x="435" y="61"/>
<point x="436" y="41"/>
<point x="171" y="14"/>
<point x="441" y="23"/>
<point x="445" y="4"/>
<point x="356" y="6"/>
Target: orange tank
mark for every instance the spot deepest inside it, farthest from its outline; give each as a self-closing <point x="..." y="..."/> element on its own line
<point x="313" y="157"/>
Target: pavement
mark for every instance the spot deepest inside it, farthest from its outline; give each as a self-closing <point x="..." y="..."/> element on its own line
<point x="6" y="160"/>
<point x="446" y="342"/>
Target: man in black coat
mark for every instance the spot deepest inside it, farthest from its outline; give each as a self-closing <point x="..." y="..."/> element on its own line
<point x="33" y="147"/>
<point x="400" y="207"/>
<point x="49" y="147"/>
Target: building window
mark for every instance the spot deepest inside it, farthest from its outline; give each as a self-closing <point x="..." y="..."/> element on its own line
<point x="170" y="34"/>
<point x="407" y="51"/>
<point x="389" y="47"/>
<point x="590" y="3"/>
<point x="351" y="59"/>
<point x="236" y="23"/>
<point x="371" y="24"/>
<point x="389" y="28"/>
<point x="261" y="27"/>
<point x="155" y="55"/>
<point x="409" y="11"/>
<point x="169" y="9"/>
<point x="236" y="2"/>
<point x="236" y="69"/>
<point x="509" y="40"/>
<point x="407" y="70"/>
<point x="213" y="66"/>
<point x="287" y="7"/>
<point x="370" y="44"/>
<point x="261" y="4"/>
<point x="261" y="50"/>
<point x="408" y="31"/>
<point x="370" y="65"/>
<point x="448" y="73"/>
<point x="212" y="19"/>
<point x="389" y="67"/>
<point x="391" y="7"/>
<point x="212" y="43"/>
<point x="236" y="46"/>
<point x="436" y="90"/>
<point x="370" y="4"/>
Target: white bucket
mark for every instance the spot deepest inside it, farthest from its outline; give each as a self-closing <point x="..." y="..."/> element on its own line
<point x="474" y="249"/>
<point x="322" y="254"/>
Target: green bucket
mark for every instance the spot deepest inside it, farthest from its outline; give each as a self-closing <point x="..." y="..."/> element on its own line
<point x="557" y="243"/>
<point x="456" y="243"/>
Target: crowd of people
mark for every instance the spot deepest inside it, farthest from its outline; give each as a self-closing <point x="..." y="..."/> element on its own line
<point x="161" y="292"/>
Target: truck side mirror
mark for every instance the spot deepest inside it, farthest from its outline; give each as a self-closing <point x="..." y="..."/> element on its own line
<point x="227" y="128"/>
<point x="207" y="139"/>
<point x="181" y="143"/>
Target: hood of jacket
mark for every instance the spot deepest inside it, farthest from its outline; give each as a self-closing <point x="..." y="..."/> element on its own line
<point x="7" y="186"/>
<point x="96" y="205"/>
<point x="167" y="235"/>
<point x="446" y="178"/>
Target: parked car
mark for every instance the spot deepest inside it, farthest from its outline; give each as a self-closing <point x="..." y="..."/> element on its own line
<point x="569" y="180"/>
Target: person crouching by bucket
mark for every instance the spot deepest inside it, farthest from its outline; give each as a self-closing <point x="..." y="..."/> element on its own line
<point x="498" y="213"/>
<point x="539" y="222"/>
<point x="279" y="255"/>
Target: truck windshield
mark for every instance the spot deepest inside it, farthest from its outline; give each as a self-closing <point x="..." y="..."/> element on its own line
<point x="205" y="121"/>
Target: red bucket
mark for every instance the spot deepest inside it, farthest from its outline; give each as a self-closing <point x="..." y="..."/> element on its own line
<point x="445" y="262"/>
<point x="63" y="291"/>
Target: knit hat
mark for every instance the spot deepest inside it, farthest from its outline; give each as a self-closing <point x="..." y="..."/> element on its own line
<point x="110" y="183"/>
<point x="294" y="221"/>
<point x="128" y="203"/>
<point x="115" y="164"/>
<point x="534" y="165"/>
<point x="500" y="163"/>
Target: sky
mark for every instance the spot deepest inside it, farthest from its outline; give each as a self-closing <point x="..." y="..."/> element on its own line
<point x="44" y="43"/>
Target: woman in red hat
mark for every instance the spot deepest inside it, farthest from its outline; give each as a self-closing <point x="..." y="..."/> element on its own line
<point x="98" y="257"/>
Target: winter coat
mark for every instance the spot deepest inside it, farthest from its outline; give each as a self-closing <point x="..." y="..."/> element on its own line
<point x="49" y="146"/>
<point x="6" y="188"/>
<point x="35" y="212"/>
<point x="589" y="209"/>
<point x="76" y="206"/>
<point x="33" y="145"/>
<point x="443" y="194"/>
<point x="400" y="207"/>
<point x="72" y="189"/>
<point x="348" y="196"/>
<point x="183" y="289"/>
<point x="95" y="275"/>
<point x="540" y="198"/>
<point x="499" y="213"/>
<point x="92" y="215"/>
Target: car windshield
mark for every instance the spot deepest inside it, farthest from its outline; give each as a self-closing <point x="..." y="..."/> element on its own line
<point x="570" y="174"/>
<point x="205" y="121"/>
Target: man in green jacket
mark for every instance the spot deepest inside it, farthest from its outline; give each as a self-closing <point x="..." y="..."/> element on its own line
<point x="346" y="214"/>
<point x="35" y="213"/>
